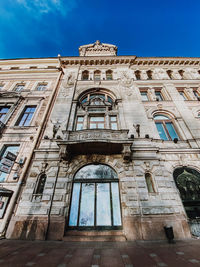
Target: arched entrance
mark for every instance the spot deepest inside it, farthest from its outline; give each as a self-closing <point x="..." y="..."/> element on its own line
<point x="188" y="183"/>
<point x="95" y="199"/>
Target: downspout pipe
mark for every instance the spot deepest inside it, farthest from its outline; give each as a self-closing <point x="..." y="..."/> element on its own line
<point x="15" y="196"/>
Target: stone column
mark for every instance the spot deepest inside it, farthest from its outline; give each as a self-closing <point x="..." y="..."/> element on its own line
<point x="72" y="116"/>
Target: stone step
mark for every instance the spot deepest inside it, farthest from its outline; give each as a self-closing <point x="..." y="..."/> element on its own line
<point x="104" y="238"/>
<point x="94" y="233"/>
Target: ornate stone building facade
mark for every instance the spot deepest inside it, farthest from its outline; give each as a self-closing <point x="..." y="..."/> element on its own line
<point x="108" y="146"/>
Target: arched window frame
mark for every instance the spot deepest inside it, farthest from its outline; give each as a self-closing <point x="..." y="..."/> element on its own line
<point x="96" y="181"/>
<point x="85" y="75"/>
<point x="97" y="110"/>
<point x="150" y="186"/>
<point x="109" y="75"/>
<point x="97" y="75"/>
<point x="164" y="125"/>
<point x="40" y="185"/>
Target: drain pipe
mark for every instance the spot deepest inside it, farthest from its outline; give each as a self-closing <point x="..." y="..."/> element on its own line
<point x="51" y="203"/>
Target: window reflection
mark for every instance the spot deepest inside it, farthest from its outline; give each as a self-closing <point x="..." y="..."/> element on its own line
<point x="95" y="198"/>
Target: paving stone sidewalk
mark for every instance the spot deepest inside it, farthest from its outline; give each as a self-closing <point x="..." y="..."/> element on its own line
<point x="99" y="254"/>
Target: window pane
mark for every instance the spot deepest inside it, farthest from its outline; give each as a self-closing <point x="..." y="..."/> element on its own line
<point x="161" y="131"/>
<point x="79" y="126"/>
<point x="149" y="183"/>
<point x="160" y="117"/>
<point x="113" y="118"/>
<point x="74" y="205"/>
<point x="96" y="119"/>
<point x="114" y="126"/>
<point x="93" y="126"/>
<point x="98" y="171"/>
<point x="80" y="119"/>
<point x="116" y="204"/>
<point x="183" y="95"/>
<point x="103" y="204"/>
<point x="100" y="126"/>
<point x="171" y="130"/>
<point x="87" y="205"/>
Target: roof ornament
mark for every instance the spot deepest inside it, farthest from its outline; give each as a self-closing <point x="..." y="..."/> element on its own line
<point x="98" y="49"/>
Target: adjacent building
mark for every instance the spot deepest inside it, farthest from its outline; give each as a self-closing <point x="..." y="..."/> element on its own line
<point x="102" y="147"/>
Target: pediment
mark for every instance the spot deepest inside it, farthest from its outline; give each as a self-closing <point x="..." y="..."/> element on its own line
<point x="98" y="49"/>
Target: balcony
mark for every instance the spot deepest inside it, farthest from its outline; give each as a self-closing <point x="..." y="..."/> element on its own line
<point x="95" y="141"/>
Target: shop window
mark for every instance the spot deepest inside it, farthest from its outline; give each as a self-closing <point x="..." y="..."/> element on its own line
<point x="85" y="75"/>
<point x="3" y="112"/>
<point x="165" y="127"/>
<point x="149" y="183"/>
<point x="95" y="198"/>
<point x="40" y="185"/>
<point x="5" y="170"/>
<point x="26" y="116"/>
<point x="19" y="87"/>
<point x="97" y="75"/>
<point x="5" y="196"/>
<point x="109" y="75"/>
<point x="41" y="86"/>
<point x="138" y="75"/>
<point x="188" y="183"/>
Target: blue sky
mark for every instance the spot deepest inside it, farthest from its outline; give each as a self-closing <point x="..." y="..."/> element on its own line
<point x="45" y="28"/>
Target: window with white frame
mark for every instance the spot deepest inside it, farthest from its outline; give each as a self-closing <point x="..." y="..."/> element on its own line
<point x="96" y="110"/>
<point x="165" y="127"/>
<point x="3" y="112"/>
<point x="41" y="86"/>
<point x="19" y="87"/>
<point x="26" y="116"/>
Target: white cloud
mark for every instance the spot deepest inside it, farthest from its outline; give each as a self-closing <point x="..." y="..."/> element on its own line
<point x="46" y="6"/>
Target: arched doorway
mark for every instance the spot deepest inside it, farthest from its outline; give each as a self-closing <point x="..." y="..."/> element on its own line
<point x="95" y="199"/>
<point x="188" y="183"/>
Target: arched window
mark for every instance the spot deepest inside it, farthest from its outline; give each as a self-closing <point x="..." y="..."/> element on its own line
<point x="97" y="75"/>
<point x="181" y="72"/>
<point x="40" y="185"/>
<point x="85" y="75"/>
<point x="149" y="74"/>
<point x="169" y="73"/>
<point x="109" y="75"/>
<point x="188" y="183"/>
<point x="97" y="110"/>
<point x="149" y="183"/>
<point x="95" y="198"/>
<point x="138" y="75"/>
<point x="165" y="127"/>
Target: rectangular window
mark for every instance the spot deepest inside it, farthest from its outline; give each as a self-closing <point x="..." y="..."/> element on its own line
<point x="144" y="96"/>
<point x="159" y="96"/>
<point x="79" y="124"/>
<point x="196" y="94"/>
<point x="182" y="94"/>
<point x="113" y="122"/>
<point x="41" y="87"/>
<point x="161" y="131"/>
<point x="27" y="115"/>
<point x="3" y="112"/>
<point x="19" y="87"/>
<point x="97" y="122"/>
<point x="13" y="149"/>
